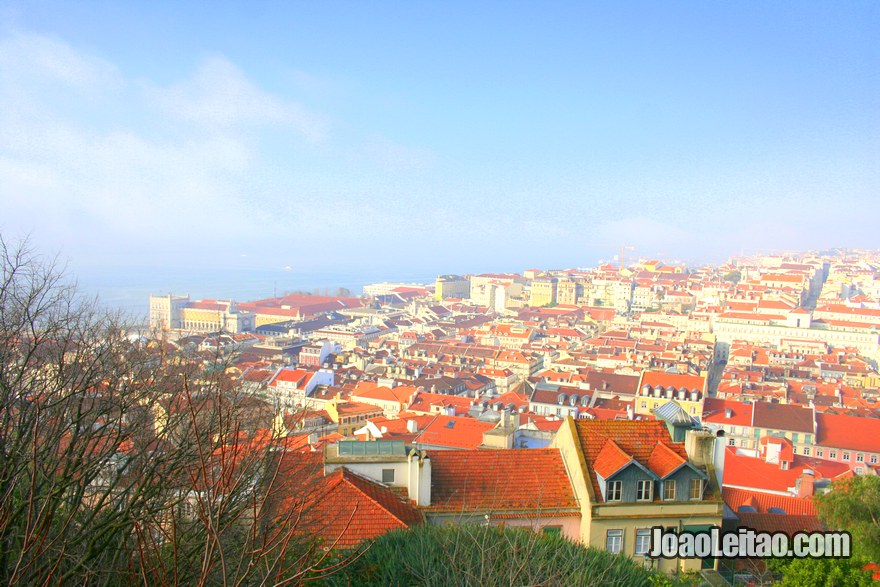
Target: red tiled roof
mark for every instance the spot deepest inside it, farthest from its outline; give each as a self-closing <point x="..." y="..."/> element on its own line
<point x="500" y="480"/>
<point x="788" y="523"/>
<point x="454" y="432"/>
<point x="664" y="461"/>
<point x="750" y="472"/>
<point x="848" y="432"/>
<point x="715" y="411"/>
<point x="343" y="509"/>
<point x="610" y="459"/>
<point x="762" y="502"/>
<point x="654" y="378"/>
<point x="290" y="375"/>
<point x="637" y="438"/>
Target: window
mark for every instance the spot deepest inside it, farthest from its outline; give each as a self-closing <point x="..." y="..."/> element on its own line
<point x="387" y="475"/>
<point x="643" y="541"/>
<point x="873" y="459"/>
<point x="795" y="437"/>
<point x="732" y="442"/>
<point x="808" y="439"/>
<point x="846" y="456"/>
<point x="820" y="453"/>
<point x="615" y="490"/>
<point x="645" y="491"/>
<point x="860" y="458"/>
<point x="832" y="454"/>
<point x="614" y="541"/>
<point x="644" y="405"/>
<point x="696" y="489"/>
<point x="806" y="451"/>
<point x="669" y="489"/>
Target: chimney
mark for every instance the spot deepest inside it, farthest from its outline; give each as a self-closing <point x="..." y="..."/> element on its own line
<point x="629" y="412"/>
<point x="313" y="438"/>
<point x="728" y="413"/>
<point x="419" y="477"/>
<point x="806" y="483"/>
<point x="412" y="426"/>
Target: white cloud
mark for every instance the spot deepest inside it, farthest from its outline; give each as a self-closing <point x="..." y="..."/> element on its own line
<point x="128" y="180"/>
<point x="221" y="96"/>
<point x="43" y="58"/>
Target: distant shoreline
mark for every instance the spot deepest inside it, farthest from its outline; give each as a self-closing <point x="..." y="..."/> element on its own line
<point x="129" y="290"/>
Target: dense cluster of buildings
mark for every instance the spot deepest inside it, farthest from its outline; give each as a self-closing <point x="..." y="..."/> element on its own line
<point x="594" y="403"/>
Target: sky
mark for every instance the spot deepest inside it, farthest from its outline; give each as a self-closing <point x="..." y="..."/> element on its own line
<point x="425" y="138"/>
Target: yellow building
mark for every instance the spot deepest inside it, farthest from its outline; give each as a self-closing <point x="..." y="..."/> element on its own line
<point x="452" y="286"/>
<point x="568" y="292"/>
<point x="658" y="387"/>
<point x="542" y="292"/>
<point x="629" y="476"/>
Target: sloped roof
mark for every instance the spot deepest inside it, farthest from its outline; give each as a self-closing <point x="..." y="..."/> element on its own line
<point x="762" y="502"/>
<point x="454" y="432"/>
<point x="750" y="472"/>
<point x="848" y="432"/>
<point x="636" y="438"/>
<point x="343" y="509"/>
<point x="665" y="461"/>
<point x="523" y="480"/>
<point x="610" y="459"/>
<point x="672" y="412"/>
<point x="789" y="417"/>
<point x="789" y="524"/>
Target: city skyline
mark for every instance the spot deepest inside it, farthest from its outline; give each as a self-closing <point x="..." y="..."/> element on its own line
<point x="436" y="139"/>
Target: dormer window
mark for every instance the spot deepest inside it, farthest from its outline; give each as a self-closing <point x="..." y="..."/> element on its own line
<point x="615" y="490"/>
<point x="645" y="490"/>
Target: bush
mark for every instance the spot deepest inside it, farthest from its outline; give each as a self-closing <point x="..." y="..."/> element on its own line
<point x="432" y="555"/>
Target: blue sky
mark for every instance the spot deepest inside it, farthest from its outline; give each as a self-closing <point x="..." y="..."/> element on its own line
<point x="435" y="137"/>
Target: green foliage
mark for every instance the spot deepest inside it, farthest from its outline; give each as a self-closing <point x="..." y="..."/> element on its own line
<point x="485" y="556"/>
<point x="733" y="276"/>
<point x="854" y="505"/>
<point x="821" y="572"/>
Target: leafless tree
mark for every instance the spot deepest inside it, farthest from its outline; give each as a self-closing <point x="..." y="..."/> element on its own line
<point x="126" y="461"/>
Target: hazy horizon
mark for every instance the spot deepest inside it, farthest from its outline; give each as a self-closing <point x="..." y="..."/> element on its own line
<point x="421" y="138"/>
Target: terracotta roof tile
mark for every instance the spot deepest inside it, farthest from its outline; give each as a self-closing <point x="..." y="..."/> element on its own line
<point x="637" y="438"/>
<point x="848" y="432"/>
<point x="664" y="461"/>
<point x="343" y="509"/>
<point x="610" y="459"/>
<point x="762" y="502"/>
<point x="500" y="480"/>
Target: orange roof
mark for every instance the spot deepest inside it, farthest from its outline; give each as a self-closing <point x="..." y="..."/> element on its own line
<point x="654" y="378"/>
<point x="848" y="432"/>
<point x="762" y="502"/>
<point x="637" y="438"/>
<point x="665" y="461"/>
<point x="454" y="432"/>
<point x="291" y="375"/>
<point x="500" y="480"/>
<point x="610" y="459"/>
<point x="344" y="509"/>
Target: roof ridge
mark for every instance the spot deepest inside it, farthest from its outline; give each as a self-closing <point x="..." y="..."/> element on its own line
<point x="348" y="475"/>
